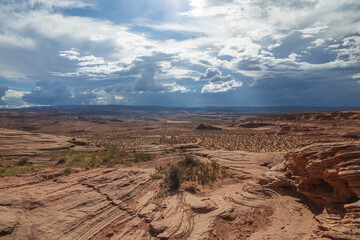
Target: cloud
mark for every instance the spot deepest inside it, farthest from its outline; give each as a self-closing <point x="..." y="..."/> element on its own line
<point x="3" y="90"/>
<point x="221" y="87"/>
<point x="89" y="60"/>
<point x="52" y="4"/>
<point x="146" y="82"/>
<point x="249" y="64"/>
<point x="48" y="93"/>
<point x="57" y="93"/>
<point x="213" y="75"/>
<point x="89" y="47"/>
<point x="13" y="99"/>
<point x="217" y="82"/>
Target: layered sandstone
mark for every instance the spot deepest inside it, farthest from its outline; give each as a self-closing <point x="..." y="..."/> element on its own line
<point x="329" y="175"/>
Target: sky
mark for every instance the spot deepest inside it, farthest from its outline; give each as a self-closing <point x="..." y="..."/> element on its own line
<point x="188" y="53"/>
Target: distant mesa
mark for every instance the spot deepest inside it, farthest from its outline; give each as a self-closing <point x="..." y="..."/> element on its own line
<point x="342" y="115"/>
<point x="206" y="127"/>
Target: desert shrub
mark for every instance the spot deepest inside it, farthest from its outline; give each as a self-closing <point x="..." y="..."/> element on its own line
<point x="23" y="161"/>
<point x="14" y="169"/>
<point x="112" y="156"/>
<point x="142" y="157"/>
<point x="173" y="177"/>
<point x="112" y="147"/>
<point x="190" y="160"/>
<point x="61" y="161"/>
<point x="191" y="169"/>
<point x="191" y="189"/>
<point x="78" y="160"/>
<point x="210" y="172"/>
<point x="162" y="185"/>
<point x="94" y="162"/>
<point x="201" y="172"/>
<point x="157" y="175"/>
<point x="67" y="171"/>
<point x="127" y="164"/>
<point x="160" y="195"/>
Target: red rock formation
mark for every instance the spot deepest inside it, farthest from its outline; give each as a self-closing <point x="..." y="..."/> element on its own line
<point x="329" y="174"/>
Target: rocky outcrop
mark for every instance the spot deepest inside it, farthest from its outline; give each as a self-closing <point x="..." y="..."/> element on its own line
<point x="83" y="205"/>
<point x="329" y="175"/>
<point x="20" y="143"/>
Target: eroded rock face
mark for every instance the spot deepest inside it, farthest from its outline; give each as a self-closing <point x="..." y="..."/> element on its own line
<point x="329" y="174"/>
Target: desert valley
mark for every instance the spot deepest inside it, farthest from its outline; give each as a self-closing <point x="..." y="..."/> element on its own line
<point x="72" y="174"/>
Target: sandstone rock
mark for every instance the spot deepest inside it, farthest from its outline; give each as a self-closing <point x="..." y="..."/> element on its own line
<point x="146" y="212"/>
<point x="164" y="235"/>
<point x="8" y="221"/>
<point x="157" y="227"/>
<point x="329" y="174"/>
<point x="199" y="205"/>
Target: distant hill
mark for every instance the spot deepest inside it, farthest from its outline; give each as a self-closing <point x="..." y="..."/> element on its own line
<point x="118" y="110"/>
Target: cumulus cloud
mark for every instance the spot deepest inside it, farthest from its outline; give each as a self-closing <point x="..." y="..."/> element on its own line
<point x="221" y="87"/>
<point x="217" y="82"/>
<point x="89" y="60"/>
<point x="213" y="75"/>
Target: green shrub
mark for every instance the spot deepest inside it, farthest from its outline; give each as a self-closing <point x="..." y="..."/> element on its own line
<point x="160" y="195"/>
<point x="173" y="177"/>
<point x="23" y="161"/>
<point x="190" y="160"/>
<point x="94" y="162"/>
<point x="67" y="171"/>
<point x="157" y="175"/>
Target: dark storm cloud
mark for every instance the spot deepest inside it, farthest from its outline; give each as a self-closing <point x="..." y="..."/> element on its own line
<point x="48" y="92"/>
<point x="3" y="90"/>
<point x="56" y="93"/>
<point x="147" y="82"/>
<point x="141" y="76"/>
